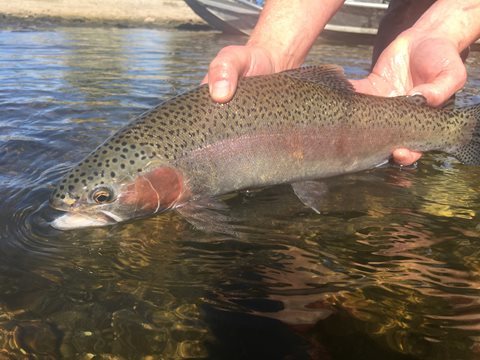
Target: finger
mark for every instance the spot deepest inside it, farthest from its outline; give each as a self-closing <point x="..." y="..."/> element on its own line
<point x="224" y="71"/>
<point x="222" y="81"/>
<point x="447" y="83"/>
<point x="405" y="157"/>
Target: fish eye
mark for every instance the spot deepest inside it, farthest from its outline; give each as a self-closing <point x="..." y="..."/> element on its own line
<point x="102" y="195"/>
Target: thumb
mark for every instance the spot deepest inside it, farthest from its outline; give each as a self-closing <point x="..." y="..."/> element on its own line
<point x="222" y="81"/>
<point x="447" y="83"/>
<point x="225" y="69"/>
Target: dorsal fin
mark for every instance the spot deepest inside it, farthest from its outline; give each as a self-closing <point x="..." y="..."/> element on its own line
<point x="329" y="75"/>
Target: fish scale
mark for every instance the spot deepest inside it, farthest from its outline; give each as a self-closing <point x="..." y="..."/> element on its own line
<point x="291" y="126"/>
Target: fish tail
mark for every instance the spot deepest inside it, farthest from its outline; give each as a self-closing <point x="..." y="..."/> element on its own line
<point x="469" y="153"/>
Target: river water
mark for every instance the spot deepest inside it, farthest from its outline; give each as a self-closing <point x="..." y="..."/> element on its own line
<point x="391" y="270"/>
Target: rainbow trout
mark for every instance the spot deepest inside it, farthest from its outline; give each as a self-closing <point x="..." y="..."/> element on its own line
<point x="288" y="127"/>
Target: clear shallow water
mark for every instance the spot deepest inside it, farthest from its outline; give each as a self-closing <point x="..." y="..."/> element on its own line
<point x="391" y="271"/>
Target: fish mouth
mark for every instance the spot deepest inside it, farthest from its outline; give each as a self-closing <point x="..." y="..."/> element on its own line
<point x="73" y="220"/>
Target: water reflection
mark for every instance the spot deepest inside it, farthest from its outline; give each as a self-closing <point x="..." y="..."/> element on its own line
<point x="390" y="269"/>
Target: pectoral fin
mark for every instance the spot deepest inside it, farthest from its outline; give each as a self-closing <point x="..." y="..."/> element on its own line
<point x="208" y="215"/>
<point x="311" y="193"/>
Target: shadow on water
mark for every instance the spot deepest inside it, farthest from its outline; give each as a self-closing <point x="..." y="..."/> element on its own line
<point x="390" y="269"/>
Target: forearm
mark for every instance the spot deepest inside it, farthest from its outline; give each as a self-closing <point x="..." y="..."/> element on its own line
<point x="453" y="20"/>
<point x="287" y="29"/>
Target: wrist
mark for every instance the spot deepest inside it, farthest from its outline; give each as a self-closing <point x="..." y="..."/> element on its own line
<point x="454" y="21"/>
<point x="287" y="29"/>
<point x="279" y="56"/>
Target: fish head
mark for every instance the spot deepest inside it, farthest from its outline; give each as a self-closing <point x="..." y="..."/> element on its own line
<point x="105" y="189"/>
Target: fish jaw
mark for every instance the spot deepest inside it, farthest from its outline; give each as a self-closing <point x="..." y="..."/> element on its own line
<point x="151" y="192"/>
<point x="73" y="220"/>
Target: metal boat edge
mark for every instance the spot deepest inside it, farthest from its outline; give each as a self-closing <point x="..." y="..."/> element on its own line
<point x="358" y="18"/>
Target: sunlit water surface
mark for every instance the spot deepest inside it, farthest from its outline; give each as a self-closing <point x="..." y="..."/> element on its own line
<point x="390" y="270"/>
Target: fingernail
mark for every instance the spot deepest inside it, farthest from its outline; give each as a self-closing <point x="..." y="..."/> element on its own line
<point x="220" y="89"/>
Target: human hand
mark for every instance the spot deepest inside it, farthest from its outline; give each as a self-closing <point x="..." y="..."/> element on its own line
<point x="411" y="65"/>
<point x="285" y="32"/>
